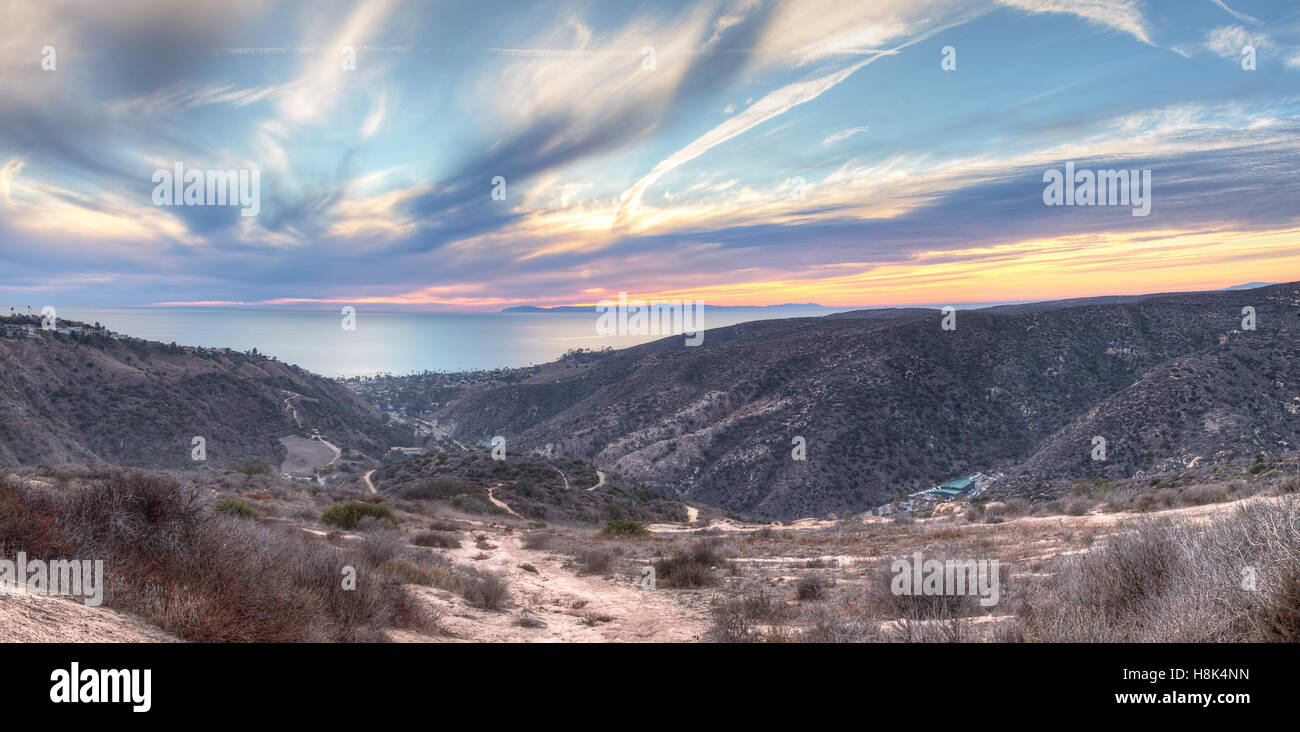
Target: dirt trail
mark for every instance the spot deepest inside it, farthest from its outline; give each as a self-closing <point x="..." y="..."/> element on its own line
<point x="562" y="475"/>
<point x="369" y="485"/>
<point x="499" y="503"/>
<point x="574" y="608"/>
<point x="290" y="408"/>
<point x="599" y="474"/>
<point x="337" y="451"/>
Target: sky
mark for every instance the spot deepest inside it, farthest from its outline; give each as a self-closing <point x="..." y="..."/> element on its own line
<point x="474" y="156"/>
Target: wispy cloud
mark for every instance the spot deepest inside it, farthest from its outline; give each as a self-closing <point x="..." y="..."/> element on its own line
<point x="843" y="134"/>
<point x="1121" y="15"/>
<point x="1234" y="13"/>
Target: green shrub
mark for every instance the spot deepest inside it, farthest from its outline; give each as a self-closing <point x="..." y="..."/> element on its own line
<point x="236" y="507"/>
<point x="624" y="527"/>
<point x="347" y="515"/>
<point x="256" y="466"/>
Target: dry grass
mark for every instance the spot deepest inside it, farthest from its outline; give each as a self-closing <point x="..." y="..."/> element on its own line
<point x="204" y="576"/>
<point x="1167" y="581"/>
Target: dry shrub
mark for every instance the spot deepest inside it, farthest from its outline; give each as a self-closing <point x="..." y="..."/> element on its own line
<point x="1166" y="581"/>
<point x="594" y="561"/>
<point x="755" y="615"/>
<point x="536" y="541"/>
<point x="1076" y="506"/>
<point x="826" y="624"/>
<point x="439" y="539"/>
<point x="695" y="566"/>
<point x="406" y="571"/>
<point x="485" y="590"/>
<point x="200" y="575"/>
<point x="812" y="588"/>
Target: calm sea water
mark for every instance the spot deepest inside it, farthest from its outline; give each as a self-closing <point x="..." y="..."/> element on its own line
<point x="397" y="343"/>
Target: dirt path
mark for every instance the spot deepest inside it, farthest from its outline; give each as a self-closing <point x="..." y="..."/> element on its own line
<point x="569" y="607"/>
<point x="369" y="485"/>
<point x="499" y="503"/>
<point x="337" y="451"/>
<point x="562" y="475"/>
<point x="290" y="408"/>
<point x="599" y="474"/>
<point x="692" y="514"/>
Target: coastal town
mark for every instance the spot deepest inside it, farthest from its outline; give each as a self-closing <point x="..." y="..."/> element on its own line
<point x="31" y="326"/>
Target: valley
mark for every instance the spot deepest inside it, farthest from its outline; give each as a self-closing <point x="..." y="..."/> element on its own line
<point x="652" y="494"/>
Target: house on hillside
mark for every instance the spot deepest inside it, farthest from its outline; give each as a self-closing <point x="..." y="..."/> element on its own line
<point x="408" y="450"/>
<point x="953" y="489"/>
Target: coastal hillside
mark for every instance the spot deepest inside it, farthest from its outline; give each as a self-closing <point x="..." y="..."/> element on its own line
<point x="891" y="405"/>
<point x="82" y="398"/>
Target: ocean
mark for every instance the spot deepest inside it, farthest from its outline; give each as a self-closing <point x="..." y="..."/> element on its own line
<point x="392" y="342"/>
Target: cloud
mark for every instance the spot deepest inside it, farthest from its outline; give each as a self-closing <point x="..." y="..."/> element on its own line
<point x="322" y="76"/>
<point x="10" y="171"/>
<point x="804" y="32"/>
<point x="1120" y="15"/>
<point x="375" y="117"/>
<point x="1234" y="13"/>
<point x="843" y="135"/>
<point x="375" y="183"/>
<point x="1229" y="40"/>
<point x="771" y="105"/>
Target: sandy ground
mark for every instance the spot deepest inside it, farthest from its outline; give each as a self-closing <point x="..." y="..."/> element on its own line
<point x="28" y="618"/>
<point x="731" y="526"/>
<point x="573" y="608"/>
